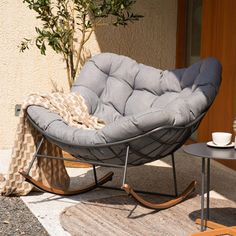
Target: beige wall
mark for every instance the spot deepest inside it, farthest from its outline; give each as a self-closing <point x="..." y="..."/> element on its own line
<point x="150" y="41"/>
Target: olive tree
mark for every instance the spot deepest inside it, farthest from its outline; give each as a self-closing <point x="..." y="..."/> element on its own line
<point x="67" y="25"/>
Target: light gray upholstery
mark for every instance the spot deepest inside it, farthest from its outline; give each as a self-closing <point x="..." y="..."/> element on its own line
<point x="134" y="98"/>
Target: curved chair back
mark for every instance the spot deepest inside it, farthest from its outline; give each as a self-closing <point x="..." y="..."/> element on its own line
<point x="150" y="110"/>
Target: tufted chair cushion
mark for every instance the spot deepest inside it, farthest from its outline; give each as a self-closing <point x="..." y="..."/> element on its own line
<point x="134" y="98"/>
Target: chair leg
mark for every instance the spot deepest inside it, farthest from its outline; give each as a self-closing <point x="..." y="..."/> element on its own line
<point x="174" y="174"/>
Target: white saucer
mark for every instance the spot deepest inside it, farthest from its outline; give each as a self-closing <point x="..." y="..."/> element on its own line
<point x="211" y="144"/>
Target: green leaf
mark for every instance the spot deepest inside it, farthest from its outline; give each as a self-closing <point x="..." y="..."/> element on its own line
<point x="60" y="23"/>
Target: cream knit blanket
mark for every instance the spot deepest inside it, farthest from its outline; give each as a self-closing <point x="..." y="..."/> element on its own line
<point x="72" y="108"/>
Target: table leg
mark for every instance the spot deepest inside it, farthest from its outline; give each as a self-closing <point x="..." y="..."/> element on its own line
<point x="202" y="196"/>
<point x="208" y="189"/>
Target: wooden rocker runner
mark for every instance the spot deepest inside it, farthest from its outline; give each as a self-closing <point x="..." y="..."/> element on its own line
<point x="148" y="115"/>
<point x="41" y="186"/>
<point x="164" y="205"/>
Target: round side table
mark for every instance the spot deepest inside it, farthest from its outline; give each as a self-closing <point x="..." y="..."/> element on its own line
<point x="207" y="153"/>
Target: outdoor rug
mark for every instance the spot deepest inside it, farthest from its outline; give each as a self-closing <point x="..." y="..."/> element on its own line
<point x="120" y="215"/>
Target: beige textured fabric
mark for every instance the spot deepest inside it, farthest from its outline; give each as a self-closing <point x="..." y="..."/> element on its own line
<point x="51" y="172"/>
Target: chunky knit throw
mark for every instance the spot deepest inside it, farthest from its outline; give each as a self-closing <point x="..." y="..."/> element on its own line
<point x="72" y="108"/>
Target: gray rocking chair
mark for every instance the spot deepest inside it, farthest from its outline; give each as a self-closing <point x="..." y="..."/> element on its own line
<point x="149" y="114"/>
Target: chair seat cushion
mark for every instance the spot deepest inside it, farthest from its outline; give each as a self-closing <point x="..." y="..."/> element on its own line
<point x="134" y="98"/>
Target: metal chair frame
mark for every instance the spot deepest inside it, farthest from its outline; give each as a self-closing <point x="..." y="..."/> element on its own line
<point x="182" y="132"/>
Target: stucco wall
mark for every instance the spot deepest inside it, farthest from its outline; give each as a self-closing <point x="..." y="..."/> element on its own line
<point x="150" y="41"/>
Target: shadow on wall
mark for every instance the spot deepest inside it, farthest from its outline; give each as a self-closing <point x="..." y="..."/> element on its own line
<point x="151" y="40"/>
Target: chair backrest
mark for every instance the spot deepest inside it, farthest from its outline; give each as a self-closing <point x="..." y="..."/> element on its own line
<point x="151" y="110"/>
<point x="115" y="86"/>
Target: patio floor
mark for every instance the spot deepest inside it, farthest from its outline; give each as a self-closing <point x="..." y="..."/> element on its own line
<point x="155" y="176"/>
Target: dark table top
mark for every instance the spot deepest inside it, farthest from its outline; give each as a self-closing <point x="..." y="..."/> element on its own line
<point x="202" y="150"/>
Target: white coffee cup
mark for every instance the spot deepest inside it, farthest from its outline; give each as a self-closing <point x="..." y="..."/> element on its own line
<point x="221" y="138"/>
